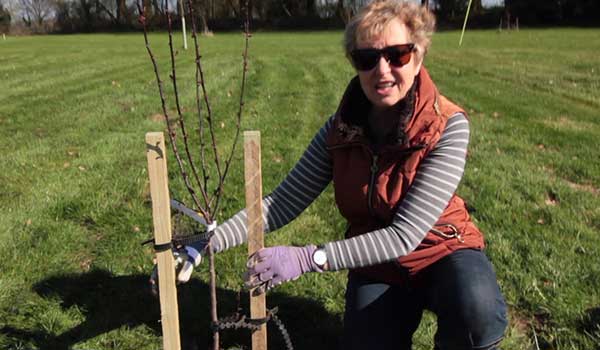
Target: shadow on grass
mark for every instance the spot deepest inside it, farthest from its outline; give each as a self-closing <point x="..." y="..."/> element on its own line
<point x="110" y="302"/>
<point x="590" y="325"/>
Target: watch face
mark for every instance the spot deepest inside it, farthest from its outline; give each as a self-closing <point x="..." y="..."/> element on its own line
<point x="320" y="257"/>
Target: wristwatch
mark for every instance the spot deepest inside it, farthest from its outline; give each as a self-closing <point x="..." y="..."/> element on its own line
<point x="319" y="257"/>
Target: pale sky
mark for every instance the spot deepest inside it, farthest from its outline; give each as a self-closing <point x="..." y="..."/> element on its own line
<point x="491" y="2"/>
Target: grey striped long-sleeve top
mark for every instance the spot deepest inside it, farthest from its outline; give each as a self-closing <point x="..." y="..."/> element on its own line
<point x="437" y="179"/>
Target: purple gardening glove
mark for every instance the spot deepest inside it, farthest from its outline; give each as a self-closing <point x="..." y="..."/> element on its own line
<point x="272" y="266"/>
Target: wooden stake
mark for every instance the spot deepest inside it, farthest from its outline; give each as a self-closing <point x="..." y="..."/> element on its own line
<point x="161" y="216"/>
<point x="253" y="178"/>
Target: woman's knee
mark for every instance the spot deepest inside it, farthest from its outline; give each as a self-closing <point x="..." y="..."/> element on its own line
<point x="485" y="321"/>
<point x="470" y="307"/>
<point x="378" y="316"/>
<point x="478" y="326"/>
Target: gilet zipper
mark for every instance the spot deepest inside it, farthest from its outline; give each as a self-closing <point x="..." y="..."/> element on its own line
<point x="374" y="169"/>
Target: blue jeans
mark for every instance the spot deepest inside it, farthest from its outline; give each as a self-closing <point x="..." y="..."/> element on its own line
<point x="461" y="289"/>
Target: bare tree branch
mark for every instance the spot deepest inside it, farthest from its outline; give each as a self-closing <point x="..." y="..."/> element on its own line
<point x="205" y="208"/>
<point x="200" y="86"/>
<point x="209" y="119"/>
<point x="107" y="11"/>
<point x="247" y="36"/>
<point x="171" y="132"/>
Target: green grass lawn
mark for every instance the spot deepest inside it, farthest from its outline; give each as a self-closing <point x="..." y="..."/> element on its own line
<point x="74" y="202"/>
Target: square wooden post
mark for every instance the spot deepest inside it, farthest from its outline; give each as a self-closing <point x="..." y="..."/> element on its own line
<point x="253" y="178"/>
<point x="161" y="217"/>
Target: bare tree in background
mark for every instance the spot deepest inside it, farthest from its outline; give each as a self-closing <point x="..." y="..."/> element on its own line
<point x="346" y="9"/>
<point x="203" y="9"/>
<point x="4" y="19"/>
<point x="121" y="9"/>
<point x="477" y="7"/>
<point x="35" y="12"/>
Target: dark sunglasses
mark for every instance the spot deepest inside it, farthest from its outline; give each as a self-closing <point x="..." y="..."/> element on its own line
<point x="397" y="56"/>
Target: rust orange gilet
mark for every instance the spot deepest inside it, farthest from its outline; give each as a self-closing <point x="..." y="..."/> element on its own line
<point x="369" y="186"/>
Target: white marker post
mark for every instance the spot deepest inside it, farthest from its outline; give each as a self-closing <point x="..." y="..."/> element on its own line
<point x="183" y="24"/>
<point x="465" y="23"/>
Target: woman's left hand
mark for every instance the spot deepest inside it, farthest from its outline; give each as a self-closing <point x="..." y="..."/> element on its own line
<point x="272" y="266"/>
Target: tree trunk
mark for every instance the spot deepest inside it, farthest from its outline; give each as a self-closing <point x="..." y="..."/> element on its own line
<point x="233" y="8"/>
<point x="157" y="9"/>
<point x="205" y="29"/>
<point x="122" y="15"/>
<point x="311" y="8"/>
<point x="344" y="13"/>
<point x="27" y="20"/>
<point x="86" y="14"/>
<point x="118" y="7"/>
<point x="476" y="8"/>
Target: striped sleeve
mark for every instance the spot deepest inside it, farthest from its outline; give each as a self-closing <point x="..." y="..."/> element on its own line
<point x="437" y="178"/>
<point x="309" y="177"/>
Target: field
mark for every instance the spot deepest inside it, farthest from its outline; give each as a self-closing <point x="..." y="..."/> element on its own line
<point x="74" y="197"/>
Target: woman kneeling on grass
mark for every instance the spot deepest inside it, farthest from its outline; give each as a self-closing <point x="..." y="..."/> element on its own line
<point x="395" y="150"/>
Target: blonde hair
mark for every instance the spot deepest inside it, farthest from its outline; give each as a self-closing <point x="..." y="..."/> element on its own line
<point x="373" y="19"/>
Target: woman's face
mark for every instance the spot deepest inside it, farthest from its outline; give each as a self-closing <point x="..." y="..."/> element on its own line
<point x="385" y="85"/>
